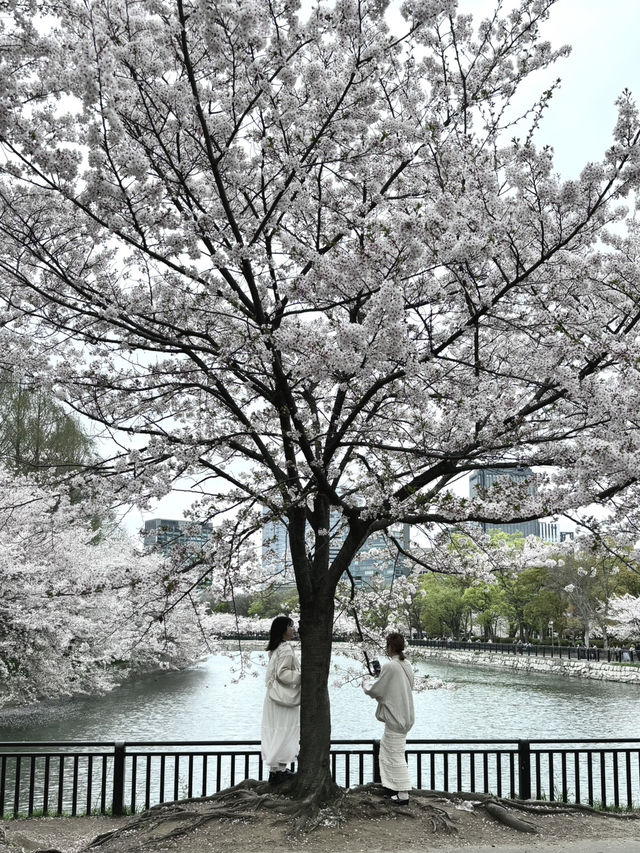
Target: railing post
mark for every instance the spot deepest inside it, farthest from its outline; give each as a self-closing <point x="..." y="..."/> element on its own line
<point x="376" y="761"/>
<point x="117" y="804"/>
<point x="524" y="770"/>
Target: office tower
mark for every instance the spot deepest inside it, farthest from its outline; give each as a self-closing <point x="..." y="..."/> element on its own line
<point x="376" y="557"/>
<point x="167" y="533"/>
<point x="486" y="478"/>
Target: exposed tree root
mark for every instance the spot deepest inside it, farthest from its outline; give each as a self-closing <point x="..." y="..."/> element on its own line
<point x="546" y="807"/>
<point x="501" y="809"/>
<point x="241" y="802"/>
<point x="498" y="809"/>
<point x="541" y="807"/>
<point x="507" y="817"/>
<point x="249" y="799"/>
<point x="370" y="801"/>
<point x="244" y="801"/>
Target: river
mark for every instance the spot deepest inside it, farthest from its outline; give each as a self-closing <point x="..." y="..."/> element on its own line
<point x="211" y="702"/>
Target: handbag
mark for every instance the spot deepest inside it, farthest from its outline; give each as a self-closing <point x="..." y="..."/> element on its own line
<point x="284" y="694"/>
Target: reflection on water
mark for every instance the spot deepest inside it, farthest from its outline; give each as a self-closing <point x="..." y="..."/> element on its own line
<point x="210" y="703"/>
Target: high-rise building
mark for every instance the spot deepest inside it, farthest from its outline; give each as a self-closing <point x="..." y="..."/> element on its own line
<point x="167" y="533"/>
<point x="549" y="531"/>
<point x="379" y="558"/>
<point x="486" y="478"/>
<point x="375" y="556"/>
<point x="276" y="554"/>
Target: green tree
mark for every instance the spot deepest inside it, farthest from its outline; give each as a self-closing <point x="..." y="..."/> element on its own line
<point x="543" y="606"/>
<point x="486" y="605"/>
<point x="517" y="591"/>
<point x="443" y="608"/>
<point x="272" y="603"/>
<point x="502" y="556"/>
<point x="36" y="434"/>
<point x="239" y="604"/>
<point x="627" y="580"/>
<point x="587" y="581"/>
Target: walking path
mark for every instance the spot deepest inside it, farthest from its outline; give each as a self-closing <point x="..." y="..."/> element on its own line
<point x="603" y="845"/>
<point x="398" y="832"/>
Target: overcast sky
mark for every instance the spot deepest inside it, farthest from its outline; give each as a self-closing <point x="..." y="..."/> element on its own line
<point x="578" y="124"/>
<point x="605" y="39"/>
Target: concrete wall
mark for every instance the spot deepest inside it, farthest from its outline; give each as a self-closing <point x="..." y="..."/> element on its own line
<point x="523" y="663"/>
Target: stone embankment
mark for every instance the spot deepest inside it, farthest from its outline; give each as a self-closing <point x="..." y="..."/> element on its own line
<point x="529" y="663"/>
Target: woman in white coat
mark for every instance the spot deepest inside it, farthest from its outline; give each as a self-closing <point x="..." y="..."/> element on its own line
<point x="281" y="709"/>
<point x="393" y="691"/>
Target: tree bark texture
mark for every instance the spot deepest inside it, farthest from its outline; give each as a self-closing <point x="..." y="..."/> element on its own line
<point x="314" y="768"/>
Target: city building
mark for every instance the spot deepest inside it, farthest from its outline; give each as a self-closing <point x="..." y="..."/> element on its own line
<point x="276" y="554"/>
<point x="376" y="557"/>
<point x="164" y="534"/>
<point x="379" y="557"/>
<point x="549" y="531"/>
<point x="485" y="478"/>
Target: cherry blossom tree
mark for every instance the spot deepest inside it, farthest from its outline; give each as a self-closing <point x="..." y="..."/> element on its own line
<point x="80" y="614"/>
<point x="594" y="573"/>
<point x="228" y="624"/>
<point x="624" y="617"/>
<point x="316" y="264"/>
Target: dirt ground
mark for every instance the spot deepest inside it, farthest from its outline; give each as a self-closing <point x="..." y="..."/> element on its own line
<point x="402" y="830"/>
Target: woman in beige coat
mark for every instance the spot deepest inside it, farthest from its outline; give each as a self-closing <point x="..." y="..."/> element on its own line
<point x="281" y="722"/>
<point x="393" y="691"/>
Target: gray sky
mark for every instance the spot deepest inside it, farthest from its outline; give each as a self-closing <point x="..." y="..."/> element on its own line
<point x="605" y="59"/>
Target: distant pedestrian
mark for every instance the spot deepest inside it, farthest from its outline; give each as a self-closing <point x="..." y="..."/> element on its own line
<point x="281" y="709"/>
<point x="393" y="692"/>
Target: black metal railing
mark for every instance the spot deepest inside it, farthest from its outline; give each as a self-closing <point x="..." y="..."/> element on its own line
<point x="612" y="655"/>
<point x="622" y="655"/>
<point x="41" y="778"/>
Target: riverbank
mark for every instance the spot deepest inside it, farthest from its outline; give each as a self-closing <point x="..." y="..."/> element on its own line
<point x="596" y="670"/>
<point x="600" y="671"/>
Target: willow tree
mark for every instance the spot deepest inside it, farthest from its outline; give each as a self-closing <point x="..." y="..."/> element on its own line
<point x="37" y="435"/>
<point x="301" y="255"/>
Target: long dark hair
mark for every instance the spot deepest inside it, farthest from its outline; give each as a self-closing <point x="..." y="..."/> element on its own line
<point x="395" y="644"/>
<point x="277" y="631"/>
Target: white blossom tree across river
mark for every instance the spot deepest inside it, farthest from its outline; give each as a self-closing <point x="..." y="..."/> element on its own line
<point x="76" y="606"/>
<point x="319" y="265"/>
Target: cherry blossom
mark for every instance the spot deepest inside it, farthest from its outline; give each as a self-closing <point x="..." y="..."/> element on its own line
<point x="81" y="609"/>
<point x="310" y="264"/>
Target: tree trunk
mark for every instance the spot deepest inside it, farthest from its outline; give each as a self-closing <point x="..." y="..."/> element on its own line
<point x="316" y="580"/>
<point x="314" y="779"/>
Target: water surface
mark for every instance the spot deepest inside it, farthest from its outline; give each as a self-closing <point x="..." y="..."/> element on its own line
<point x="210" y="702"/>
